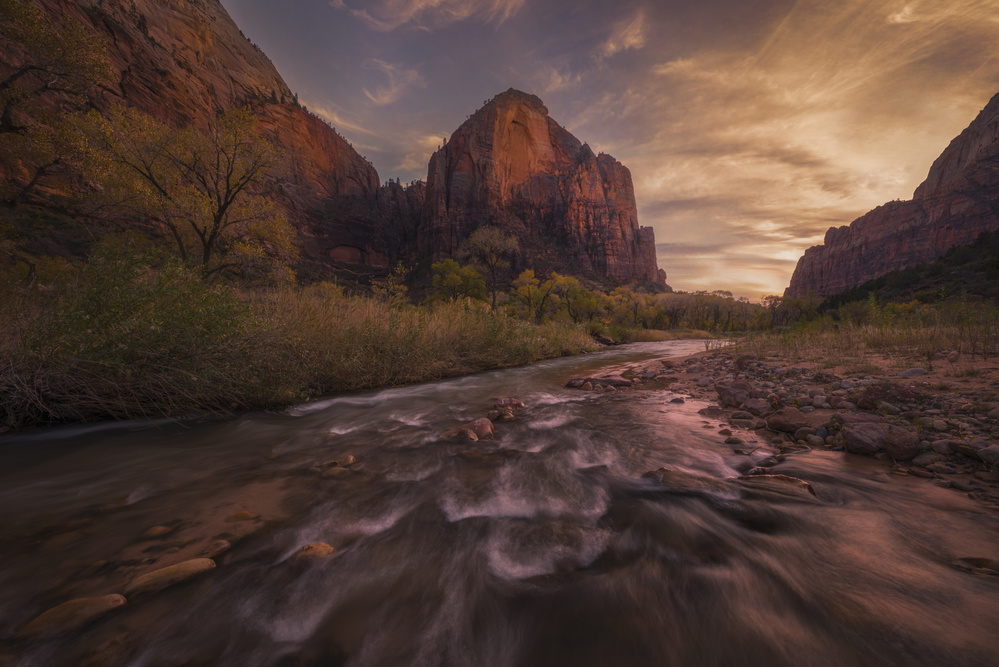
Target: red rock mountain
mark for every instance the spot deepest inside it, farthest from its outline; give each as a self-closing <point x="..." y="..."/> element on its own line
<point x="512" y="166"/>
<point x="958" y="201"/>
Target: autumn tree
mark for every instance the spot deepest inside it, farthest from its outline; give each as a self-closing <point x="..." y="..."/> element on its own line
<point x="451" y="281"/>
<point x="205" y="187"/>
<point x="489" y="249"/>
<point x="580" y="304"/>
<point x="45" y="90"/>
<point x="533" y="295"/>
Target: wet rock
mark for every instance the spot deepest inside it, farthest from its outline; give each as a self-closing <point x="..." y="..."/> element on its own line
<point x="733" y="440"/>
<point x="864" y="437"/>
<point x="804" y="432"/>
<point x="335" y="471"/>
<point x="787" y="420"/>
<point x="496" y="415"/>
<point x="314" y="551"/>
<point x="509" y="403"/>
<point x="990" y="455"/>
<point x="940" y="446"/>
<point x="71" y="615"/>
<point x="778" y="481"/>
<point x="243" y="516"/>
<point x="480" y="429"/>
<point x="113" y="651"/>
<point x="169" y="576"/>
<point x="926" y="458"/>
<point x="739" y="414"/>
<point x="758" y="470"/>
<point x="901" y="444"/>
<point x="978" y="565"/>
<point x="815" y="441"/>
<point x="757" y="406"/>
<point x="587" y="386"/>
<point x="724" y="431"/>
<point x="156" y="531"/>
<point x="607" y="381"/>
<point x="216" y="549"/>
<point x="677" y="481"/>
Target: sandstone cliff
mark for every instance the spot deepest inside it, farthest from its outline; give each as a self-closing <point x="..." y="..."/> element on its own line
<point x="512" y="166"/>
<point x="958" y="200"/>
<point x="183" y="60"/>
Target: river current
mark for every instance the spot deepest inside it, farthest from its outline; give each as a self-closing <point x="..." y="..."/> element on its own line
<point x="548" y="545"/>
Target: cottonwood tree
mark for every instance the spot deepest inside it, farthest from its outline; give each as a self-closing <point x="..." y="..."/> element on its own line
<point x="44" y="91"/>
<point x="489" y="249"/>
<point x="451" y="282"/>
<point x="205" y="187"/>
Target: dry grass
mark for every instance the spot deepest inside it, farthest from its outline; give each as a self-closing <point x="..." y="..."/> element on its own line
<point x="903" y="335"/>
<point x="127" y="342"/>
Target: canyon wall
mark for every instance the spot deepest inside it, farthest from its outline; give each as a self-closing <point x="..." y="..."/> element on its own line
<point x="958" y="201"/>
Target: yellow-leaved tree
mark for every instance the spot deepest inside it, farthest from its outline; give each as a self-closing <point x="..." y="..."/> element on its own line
<point x="206" y="188"/>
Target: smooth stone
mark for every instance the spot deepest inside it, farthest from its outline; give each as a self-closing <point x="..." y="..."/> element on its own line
<point x="169" y="576"/>
<point x="243" y="516"/>
<point x="815" y="441"/>
<point x="901" y="444"/>
<point x="864" y="437"/>
<point x="940" y="426"/>
<point x="216" y="548"/>
<point x="912" y="373"/>
<point x="71" y="615"/>
<point x="733" y="440"/>
<point x="940" y="446"/>
<point x="314" y="551"/>
<point x="990" y="455"/>
<point x="926" y="458"/>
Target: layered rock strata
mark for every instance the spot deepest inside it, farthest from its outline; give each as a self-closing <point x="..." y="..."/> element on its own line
<point x="958" y="201"/>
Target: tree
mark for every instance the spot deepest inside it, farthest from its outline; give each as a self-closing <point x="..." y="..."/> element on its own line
<point x="580" y="304"/>
<point x="489" y="249"/>
<point x="452" y="281"/>
<point x="533" y="295"/>
<point x="204" y="187"/>
<point x="55" y="70"/>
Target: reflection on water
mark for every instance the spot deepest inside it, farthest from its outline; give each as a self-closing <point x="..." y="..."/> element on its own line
<point x="546" y="546"/>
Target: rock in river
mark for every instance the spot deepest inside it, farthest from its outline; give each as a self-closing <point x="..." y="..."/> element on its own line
<point x="71" y="615"/>
<point x="168" y="576"/>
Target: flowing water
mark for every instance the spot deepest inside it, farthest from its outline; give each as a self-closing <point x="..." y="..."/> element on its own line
<point x="545" y="546"/>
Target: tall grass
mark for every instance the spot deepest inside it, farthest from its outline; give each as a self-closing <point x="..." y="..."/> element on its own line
<point x="126" y="341"/>
<point x="905" y="333"/>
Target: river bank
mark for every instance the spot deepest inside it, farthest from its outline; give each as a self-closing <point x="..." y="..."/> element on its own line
<point x="940" y="422"/>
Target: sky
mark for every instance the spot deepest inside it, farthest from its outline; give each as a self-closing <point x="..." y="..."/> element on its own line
<point x="750" y="126"/>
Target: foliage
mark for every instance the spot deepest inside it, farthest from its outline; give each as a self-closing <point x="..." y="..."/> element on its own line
<point x="451" y="282"/>
<point x="42" y="101"/>
<point x="489" y="250"/>
<point x="392" y="288"/>
<point x="204" y="187"/>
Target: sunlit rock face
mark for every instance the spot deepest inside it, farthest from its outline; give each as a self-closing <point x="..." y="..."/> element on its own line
<point x="958" y="200"/>
<point x="182" y="61"/>
<point x="512" y="166"/>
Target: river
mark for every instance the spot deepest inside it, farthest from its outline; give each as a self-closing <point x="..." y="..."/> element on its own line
<point x="548" y="545"/>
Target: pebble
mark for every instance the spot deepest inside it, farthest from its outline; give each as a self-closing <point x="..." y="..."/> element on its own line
<point x="156" y="531"/>
<point x="216" y="548"/>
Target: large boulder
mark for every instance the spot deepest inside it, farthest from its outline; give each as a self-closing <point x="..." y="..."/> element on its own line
<point x="901" y="444"/>
<point x="864" y="437"/>
<point x="787" y="420"/>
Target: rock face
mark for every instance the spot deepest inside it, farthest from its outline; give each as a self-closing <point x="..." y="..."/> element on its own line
<point x="182" y="61"/>
<point x="512" y="166"/>
<point x="958" y="201"/>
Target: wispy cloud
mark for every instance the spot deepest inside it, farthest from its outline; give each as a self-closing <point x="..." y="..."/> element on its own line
<point x="386" y="15"/>
<point x="628" y="34"/>
<point x="399" y="80"/>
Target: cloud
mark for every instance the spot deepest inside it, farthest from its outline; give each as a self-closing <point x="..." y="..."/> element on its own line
<point x="629" y="34"/>
<point x="387" y="15"/>
<point x="399" y="81"/>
